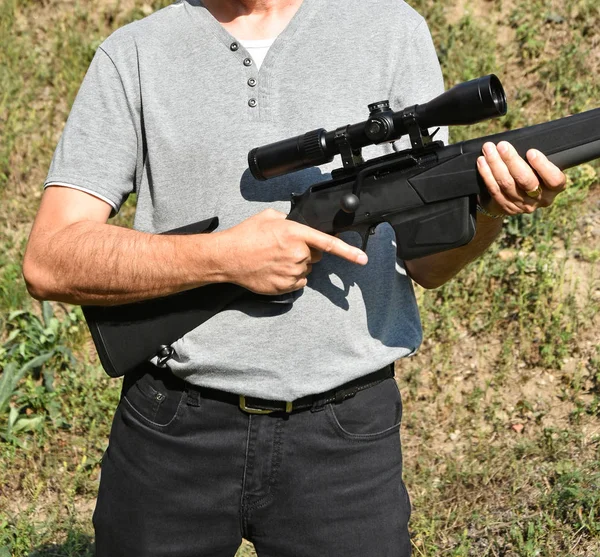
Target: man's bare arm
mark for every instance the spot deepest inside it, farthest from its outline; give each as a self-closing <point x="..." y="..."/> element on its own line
<point x="74" y="256"/>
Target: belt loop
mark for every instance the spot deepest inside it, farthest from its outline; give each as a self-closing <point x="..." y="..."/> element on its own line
<point x="318" y="404"/>
<point x="192" y="396"/>
<point x="340" y="395"/>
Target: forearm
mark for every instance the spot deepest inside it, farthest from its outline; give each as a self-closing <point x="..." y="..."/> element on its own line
<point x="89" y="262"/>
<point x="95" y="263"/>
<point x="434" y="270"/>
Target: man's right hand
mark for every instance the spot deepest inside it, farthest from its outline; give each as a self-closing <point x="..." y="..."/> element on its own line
<point x="268" y="254"/>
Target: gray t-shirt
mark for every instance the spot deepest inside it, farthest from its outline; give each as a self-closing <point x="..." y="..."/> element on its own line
<point x="169" y="109"/>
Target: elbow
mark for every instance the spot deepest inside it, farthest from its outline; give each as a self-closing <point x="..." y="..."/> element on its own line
<point x="425" y="278"/>
<point x="429" y="283"/>
<point x="36" y="278"/>
<point x="426" y="274"/>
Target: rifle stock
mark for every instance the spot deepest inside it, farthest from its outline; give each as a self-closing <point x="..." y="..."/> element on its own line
<point x="127" y="335"/>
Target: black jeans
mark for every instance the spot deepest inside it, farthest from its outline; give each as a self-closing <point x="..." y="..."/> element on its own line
<point x="187" y="475"/>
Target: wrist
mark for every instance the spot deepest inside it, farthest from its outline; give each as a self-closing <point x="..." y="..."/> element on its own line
<point x="486" y="213"/>
<point x="208" y="258"/>
<point x="488" y="208"/>
<point x="222" y="259"/>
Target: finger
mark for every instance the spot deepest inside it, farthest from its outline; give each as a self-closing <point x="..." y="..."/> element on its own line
<point x="315" y="255"/>
<point x="522" y="174"/>
<point x="496" y="193"/>
<point x="301" y="283"/>
<point x="552" y="177"/>
<point x="500" y="171"/>
<point x="330" y="244"/>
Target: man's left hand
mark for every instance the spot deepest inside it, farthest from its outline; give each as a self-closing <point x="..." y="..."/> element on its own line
<point x="515" y="186"/>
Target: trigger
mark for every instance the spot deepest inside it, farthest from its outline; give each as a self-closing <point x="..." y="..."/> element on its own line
<point x="367" y="231"/>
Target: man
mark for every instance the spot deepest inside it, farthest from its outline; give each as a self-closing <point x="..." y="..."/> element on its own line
<point x="168" y="110"/>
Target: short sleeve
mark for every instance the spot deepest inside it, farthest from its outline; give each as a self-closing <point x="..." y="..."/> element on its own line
<point x="98" y="150"/>
<point x="418" y="78"/>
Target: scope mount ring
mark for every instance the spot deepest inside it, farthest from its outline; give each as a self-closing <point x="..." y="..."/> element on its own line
<point x="350" y="157"/>
<point x="419" y="137"/>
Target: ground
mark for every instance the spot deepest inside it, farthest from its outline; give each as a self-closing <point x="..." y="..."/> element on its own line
<point x="501" y="434"/>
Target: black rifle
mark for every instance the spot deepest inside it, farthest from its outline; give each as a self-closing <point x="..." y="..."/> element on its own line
<point x="427" y="193"/>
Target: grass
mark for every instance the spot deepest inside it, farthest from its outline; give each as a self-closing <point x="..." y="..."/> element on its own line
<point x="501" y="427"/>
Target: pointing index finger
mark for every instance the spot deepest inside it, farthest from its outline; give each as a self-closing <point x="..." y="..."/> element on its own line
<point x="335" y="246"/>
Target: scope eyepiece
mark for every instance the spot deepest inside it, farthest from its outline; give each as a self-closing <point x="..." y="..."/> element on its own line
<point x="289" y="155"/>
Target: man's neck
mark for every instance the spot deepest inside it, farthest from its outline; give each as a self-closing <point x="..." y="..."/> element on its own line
<point x="253" y="19"/>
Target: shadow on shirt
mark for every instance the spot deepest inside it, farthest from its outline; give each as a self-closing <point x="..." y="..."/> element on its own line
<point x="332" y="277"/>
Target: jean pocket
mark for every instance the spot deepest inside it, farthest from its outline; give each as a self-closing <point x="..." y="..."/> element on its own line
<point x="370" y="414"/>
<point x="154" y="398"/>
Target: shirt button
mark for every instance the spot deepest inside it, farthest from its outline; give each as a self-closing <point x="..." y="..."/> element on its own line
<point x="252" y="103"/>
<point x="252" y="82"/>
<point x="234" y="46"/>
<point x="247" y="61"/>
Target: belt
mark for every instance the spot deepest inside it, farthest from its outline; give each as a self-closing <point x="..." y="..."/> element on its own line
<point x="253" y="405"/>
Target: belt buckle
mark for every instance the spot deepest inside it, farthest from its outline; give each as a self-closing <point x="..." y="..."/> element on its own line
<point x="245" y="408"/>
<point x="251" y="410"/>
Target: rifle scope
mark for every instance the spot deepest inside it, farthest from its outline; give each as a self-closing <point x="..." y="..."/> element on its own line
<point x="464" y="104"/>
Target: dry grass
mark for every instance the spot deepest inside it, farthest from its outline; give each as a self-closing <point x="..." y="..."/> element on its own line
<point x="501" y="432"/>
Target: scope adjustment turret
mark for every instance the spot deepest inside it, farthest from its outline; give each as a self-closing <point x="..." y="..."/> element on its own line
<point x="380" y="124"/>
<point x="380" y="106"/>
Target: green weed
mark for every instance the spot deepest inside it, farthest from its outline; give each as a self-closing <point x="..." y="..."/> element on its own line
<point x="35" y="350"/>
